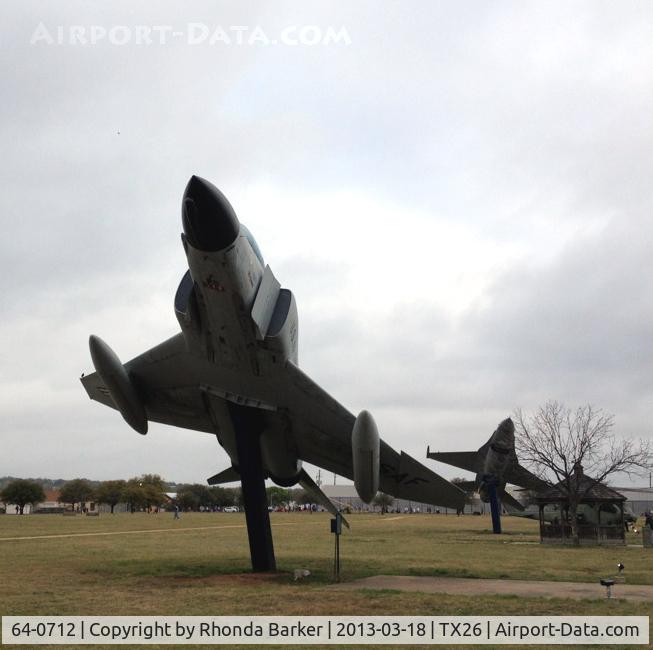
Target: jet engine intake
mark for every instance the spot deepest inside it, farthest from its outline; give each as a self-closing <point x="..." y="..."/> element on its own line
<point x="187" y="312"/>
<point x="365" y="445"/>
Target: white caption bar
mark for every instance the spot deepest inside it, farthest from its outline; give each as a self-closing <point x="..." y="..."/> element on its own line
<point x="307" y="630"/>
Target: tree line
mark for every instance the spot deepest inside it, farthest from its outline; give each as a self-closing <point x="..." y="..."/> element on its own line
<point x="138" y="493"/>
<point x="145" y="492"/>
<point x="575" y="449"/>
<point x="148" y="492"/>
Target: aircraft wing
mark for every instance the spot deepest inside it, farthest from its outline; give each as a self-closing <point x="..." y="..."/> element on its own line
<point x="322" y="430"/>
<point x="472" y="461"/>
<point x="165" y="385"/>
<point x="167" y="381"/>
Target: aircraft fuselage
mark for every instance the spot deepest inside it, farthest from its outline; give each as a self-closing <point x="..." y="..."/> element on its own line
<point x="234" y="315"/>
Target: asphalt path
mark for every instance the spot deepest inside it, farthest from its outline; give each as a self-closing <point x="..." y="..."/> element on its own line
<point x="474" y="587"/>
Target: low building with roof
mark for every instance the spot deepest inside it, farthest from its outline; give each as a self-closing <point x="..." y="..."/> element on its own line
<point x="639" y="500"/>
<point x="51" y="504"/>
<point x="600" y="513"/>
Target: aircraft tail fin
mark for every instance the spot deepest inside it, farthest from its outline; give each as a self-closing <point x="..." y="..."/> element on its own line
<point x="229" y="475"/>
<point x="311" y="486"/>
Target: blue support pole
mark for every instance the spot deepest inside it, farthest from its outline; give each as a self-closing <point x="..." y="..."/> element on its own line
<point x="248" y="428"/>
<point x="495" y="506"/>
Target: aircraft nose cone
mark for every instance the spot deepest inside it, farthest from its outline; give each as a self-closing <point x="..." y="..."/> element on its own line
<point x="506" y="431"/>
<point x="210" y="223"/>
<point x="507" y="424"/>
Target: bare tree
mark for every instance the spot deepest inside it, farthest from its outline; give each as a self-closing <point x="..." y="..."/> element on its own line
<point x="577" y="449"/>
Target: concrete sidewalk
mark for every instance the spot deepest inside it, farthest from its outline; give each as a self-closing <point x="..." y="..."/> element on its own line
<point x="474" y="587"/>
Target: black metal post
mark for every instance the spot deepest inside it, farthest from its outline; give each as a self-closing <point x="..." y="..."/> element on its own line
<point x="336" y="528"/>
<point x="248" y="426"/>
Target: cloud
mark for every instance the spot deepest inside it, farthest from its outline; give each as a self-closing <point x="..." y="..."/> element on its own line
<point x="459" y="199"/>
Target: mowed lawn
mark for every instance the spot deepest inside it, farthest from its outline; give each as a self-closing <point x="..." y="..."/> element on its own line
<point x="151" y="564"/>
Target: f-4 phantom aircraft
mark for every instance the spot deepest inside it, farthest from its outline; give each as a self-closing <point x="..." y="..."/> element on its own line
<point x="233" y="372"/>
<point x="495" y="461"/>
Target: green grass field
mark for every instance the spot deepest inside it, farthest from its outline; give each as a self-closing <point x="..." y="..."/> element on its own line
<point x="151" y="564"/>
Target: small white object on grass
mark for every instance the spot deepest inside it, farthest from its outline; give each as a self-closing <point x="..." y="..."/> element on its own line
<point x="301" y="573"/>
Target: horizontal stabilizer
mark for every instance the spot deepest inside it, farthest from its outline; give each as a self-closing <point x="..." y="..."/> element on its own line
<point x="468" y="486"/>
<point x="472" y="461"/>
<point x="518" y="475"/>
<point x="405" y="478"/>
<point x="510" y="502"/>
<point x="229" y="475"/>
<point x="313" y="488"/>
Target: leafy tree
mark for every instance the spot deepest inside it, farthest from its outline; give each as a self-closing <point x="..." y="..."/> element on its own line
<point x="153" y="480"/>
<point x="204" y="495"/>
<point x="144" y="491"/>
<point x="237" y="496"/>
<point x="153" y="489"/>
<point x="194" y="496"/>
<point x="21" y="492"/>
<point x="187" y="500"/>
<point x="304" y="498"/>
<point x="222" y="496"/>
<point x="110" y="492"/>
<point x="277" y="496"/>
<point x="383" y="501"/>
<point x="561" y="445"/>
<point x="133" y="495"/>
<point x="79" y="490"/>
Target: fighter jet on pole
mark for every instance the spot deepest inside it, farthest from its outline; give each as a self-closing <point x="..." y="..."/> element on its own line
<point x="494" y="464"/>
<point x="233" y="372"/>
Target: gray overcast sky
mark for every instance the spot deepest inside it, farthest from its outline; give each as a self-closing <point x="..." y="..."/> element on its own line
<point x="458" y="194"/>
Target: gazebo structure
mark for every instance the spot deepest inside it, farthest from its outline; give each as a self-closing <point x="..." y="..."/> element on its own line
<point x="600" y="513"/>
